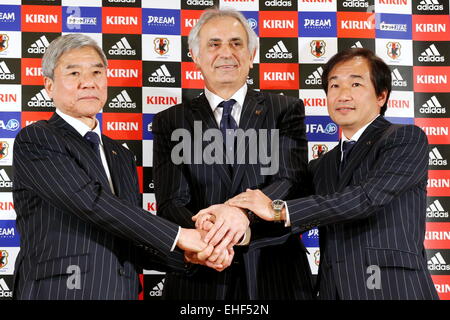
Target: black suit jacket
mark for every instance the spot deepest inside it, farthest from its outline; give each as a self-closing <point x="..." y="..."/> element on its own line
<point x="373" y="215"/>
<point x="276" y="266"/>
<point x="70" y="222"/>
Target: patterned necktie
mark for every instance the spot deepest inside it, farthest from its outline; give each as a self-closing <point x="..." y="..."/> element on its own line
<point x="347" y="147"/>
<point x="228" y="122"/>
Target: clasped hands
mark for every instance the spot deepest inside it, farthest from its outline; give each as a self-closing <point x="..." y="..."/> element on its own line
<point x="222" y="226"/>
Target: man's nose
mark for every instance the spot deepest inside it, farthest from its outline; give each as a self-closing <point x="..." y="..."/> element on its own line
<point x="225" y="50"/>
<point x="87" y="80"/>
<point x="344" y="94"/>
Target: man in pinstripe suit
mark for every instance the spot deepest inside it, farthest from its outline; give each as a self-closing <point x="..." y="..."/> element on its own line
<point x="83" y="232"/>
<point x="370" y="202"/>
<point x="223" y="47"/>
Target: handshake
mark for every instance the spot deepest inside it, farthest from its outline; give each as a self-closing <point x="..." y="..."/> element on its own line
<point x="220" y="227"/>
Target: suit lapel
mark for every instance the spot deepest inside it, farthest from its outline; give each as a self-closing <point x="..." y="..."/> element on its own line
<point x="201" y="111"/>
<point x="361" y="148"/>
<point x="332" y="170"/>
<point x="252" y="117"/>
<point x="113" y="164"/>
<point x="81" y="146"/>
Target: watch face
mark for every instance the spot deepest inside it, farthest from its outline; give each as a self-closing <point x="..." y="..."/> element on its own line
<point x="277" y="204"/>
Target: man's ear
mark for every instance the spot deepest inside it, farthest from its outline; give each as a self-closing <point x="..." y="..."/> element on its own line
<point x="381" y="99"/>
<point x="252" y="59"/>
<point x="48" y="85"/>
<point x="194" y="58"/>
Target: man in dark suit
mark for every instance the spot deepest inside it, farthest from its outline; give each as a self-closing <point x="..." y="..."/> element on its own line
<point x="370" y="202"/>
<point x="83" y="232"/>
<point x="223" y="47"/>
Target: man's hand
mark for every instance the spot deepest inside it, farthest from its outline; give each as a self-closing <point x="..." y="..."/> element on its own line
<point x="223" y="262"/>
<point x="255" y="201"/>
<point x="191" y="240"/>
<point x="230" y="224"/>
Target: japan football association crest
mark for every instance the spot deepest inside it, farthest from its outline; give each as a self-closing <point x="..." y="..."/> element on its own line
<point x="3" y="42"/>
<point x="161" y="45"/>
<point x="4" y="146"/>
<point x="393" y="49"/>
<point x="317" y="48"/>
<point x="318" y="150"/>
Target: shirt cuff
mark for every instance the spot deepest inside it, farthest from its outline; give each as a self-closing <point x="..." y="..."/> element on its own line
<point x="287" y="223"/>
<point x="176" y="239"/>
<point x="246" y="238"/>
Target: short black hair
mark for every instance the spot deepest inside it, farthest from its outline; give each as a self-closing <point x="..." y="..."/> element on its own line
<point x="380" y="74"/>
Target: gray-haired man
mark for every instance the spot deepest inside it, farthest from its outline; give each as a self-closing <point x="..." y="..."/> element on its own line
<point x="82" y="230"/>
<point x="223" y="47"/>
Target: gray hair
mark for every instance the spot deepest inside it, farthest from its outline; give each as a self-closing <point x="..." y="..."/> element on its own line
<point x="209" y="14"/>
<point x="65" y="43"/>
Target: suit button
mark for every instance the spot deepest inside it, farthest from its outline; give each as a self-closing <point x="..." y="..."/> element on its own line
<point x="121" y="271"/>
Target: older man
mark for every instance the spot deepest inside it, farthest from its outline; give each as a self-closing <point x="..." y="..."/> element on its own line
<point x="83" y="233"/>
<point x="223" y="47"/>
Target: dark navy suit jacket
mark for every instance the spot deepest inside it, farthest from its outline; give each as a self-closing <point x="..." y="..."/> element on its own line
<point x="276" y="266"/>
<point x="70" y="222"/>
<point x="373" y="215"/>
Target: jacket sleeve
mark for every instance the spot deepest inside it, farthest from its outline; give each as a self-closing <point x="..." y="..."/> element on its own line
<point x="44" y="166"/>
<point x="402" y="164"/>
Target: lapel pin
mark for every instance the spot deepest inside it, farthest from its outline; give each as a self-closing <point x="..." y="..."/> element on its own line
<point x="369" y="143"/>
<point x="258" y="112"/>
<point x="114" y="153"/>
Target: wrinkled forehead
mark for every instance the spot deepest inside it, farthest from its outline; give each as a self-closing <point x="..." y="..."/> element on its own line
<point x="222" y="29"/>
<point x="80" y="57"/>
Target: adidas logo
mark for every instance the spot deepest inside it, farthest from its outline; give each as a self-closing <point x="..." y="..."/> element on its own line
<point x="122" y="48"/>
<point x="357" y="45"/>
<point x="435" y="210"/>
<point x="430" y="5"/>
<point x="436" y="158"/>
<point x="437" y="263"/>
<point x="41" y="99"/>
<point x="431" y="54"/>
<point x="355" y="4"/>
<point x="39" y="46"/>
<point x="157" y="290"/>
<point x="432" y="106"/>
<point x="279" y="51"/>
<point x="5" y="292"/>
<point x="397" y="79"/>
<point x="315" y="77"/>
<point x="5" y="182"/>
<point x="161" y="74"/>
<point x="122" y="100"/>
<point x="5" y="73"/>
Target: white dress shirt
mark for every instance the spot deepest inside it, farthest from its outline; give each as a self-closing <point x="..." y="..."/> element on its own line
<point x="214" y="100"/>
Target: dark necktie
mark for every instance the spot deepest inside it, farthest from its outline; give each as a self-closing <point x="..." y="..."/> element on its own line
<point x="94" y="141"/>
<point x="347" y="147"/>
<point x="228" y="122"/>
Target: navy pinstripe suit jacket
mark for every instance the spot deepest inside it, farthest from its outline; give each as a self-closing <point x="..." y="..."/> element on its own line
<point x="276" y="266"/>
<point x="67" y="216"/>
<point x="373" y="215"/>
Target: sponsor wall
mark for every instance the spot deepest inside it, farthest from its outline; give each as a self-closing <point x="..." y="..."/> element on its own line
<point x="150" y="69"/>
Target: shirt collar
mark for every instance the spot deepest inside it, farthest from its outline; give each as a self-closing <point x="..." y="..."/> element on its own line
<point x="79" y="126"/>
<point x="357" y="134"/>
<point x="214" y="99"/>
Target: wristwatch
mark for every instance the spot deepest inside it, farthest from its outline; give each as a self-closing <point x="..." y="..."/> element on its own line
<point x="277" y="206"/>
